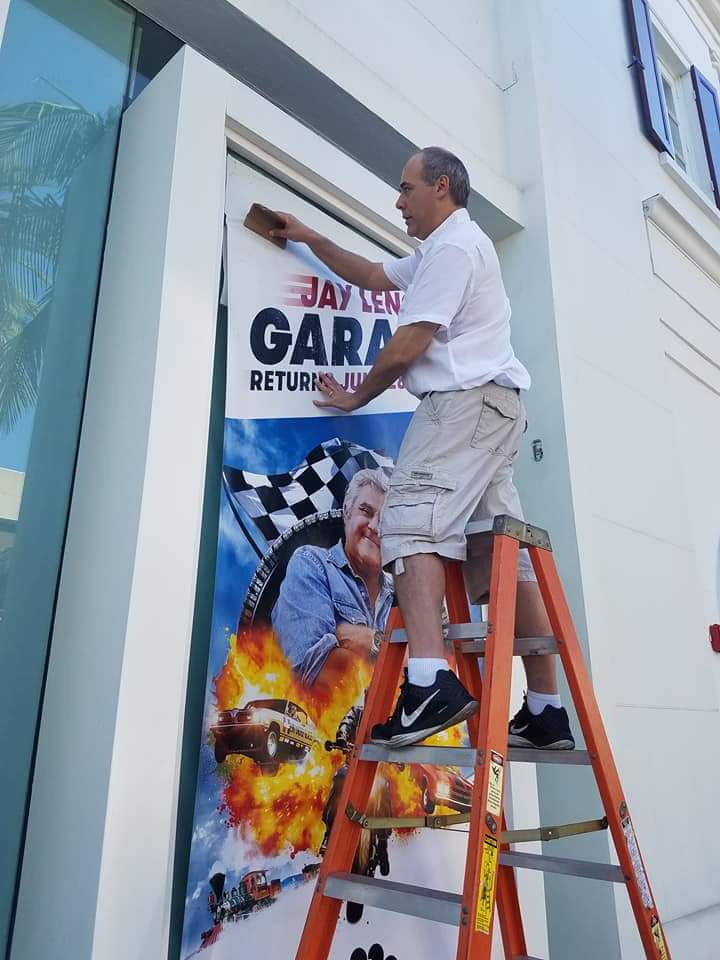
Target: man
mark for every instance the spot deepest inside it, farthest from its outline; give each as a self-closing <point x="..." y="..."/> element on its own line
<point x="333" y="604"/>
<point x="452" y="347"/>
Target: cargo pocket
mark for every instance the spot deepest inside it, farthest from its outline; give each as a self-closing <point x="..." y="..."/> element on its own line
<point x="412" y="502"/>
<point x="496" y="422"/>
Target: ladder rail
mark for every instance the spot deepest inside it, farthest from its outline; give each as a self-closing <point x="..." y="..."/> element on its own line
<point x="603" y="763"/>
<point x="483" y="877"/>
<point x="321" y="921"/>
<point x="509" y="913"/>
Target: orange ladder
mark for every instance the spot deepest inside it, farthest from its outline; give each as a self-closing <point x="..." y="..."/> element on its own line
<point x="490" y="862"/>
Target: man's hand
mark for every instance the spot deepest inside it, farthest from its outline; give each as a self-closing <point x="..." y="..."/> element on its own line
<point x="337" y="396"/>
<point x="293" y="229"/>
<point x="355" y="638"/>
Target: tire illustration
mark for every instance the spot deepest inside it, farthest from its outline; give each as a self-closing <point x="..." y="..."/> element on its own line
<point x="220" y="751"/>
<point x="272" y="745"/>
<point x="319" y="530"/>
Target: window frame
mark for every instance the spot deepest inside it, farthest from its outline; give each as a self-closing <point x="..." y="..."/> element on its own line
<point x="674" y="65"/>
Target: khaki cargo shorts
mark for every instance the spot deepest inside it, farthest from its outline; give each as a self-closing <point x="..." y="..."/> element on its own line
<point x="455" y="467"/>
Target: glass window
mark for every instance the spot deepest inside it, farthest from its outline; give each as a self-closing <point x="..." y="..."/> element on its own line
<point x="154" y="47"/>
<point x="63" y="81"/>
<point x="681" y="112"/>
<point x="672" y="112"/>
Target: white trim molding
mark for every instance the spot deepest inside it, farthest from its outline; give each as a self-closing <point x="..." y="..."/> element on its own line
<point x="689" y="187"/>
<point x="683" y="234"/>
<point x="711" y="9"/>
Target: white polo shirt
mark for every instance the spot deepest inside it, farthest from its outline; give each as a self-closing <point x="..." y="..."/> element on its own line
<point x="453" y="279"/>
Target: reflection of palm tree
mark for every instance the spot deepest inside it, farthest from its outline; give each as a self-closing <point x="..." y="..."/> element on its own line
<point x="41" y="146"/>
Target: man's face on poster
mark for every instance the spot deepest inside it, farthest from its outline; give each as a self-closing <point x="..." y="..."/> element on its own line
<point x="362" y="530"/>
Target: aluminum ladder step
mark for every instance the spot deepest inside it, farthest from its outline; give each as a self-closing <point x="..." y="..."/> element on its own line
<point x="402" y="898"/>
<point x="465" y="756"/>
<point x="444" y="907"/>
<point x="570" y="868"/>
<point x="473" y="639"/>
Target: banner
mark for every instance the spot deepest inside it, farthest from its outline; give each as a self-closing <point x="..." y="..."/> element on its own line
<point x="300" y="599"/>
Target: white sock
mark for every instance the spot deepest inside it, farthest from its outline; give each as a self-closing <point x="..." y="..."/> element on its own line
<point x="423" y="670"/>
<point x="538" y="701"/>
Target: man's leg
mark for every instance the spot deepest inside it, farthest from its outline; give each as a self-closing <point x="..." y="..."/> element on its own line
<point x="420" y="591"/>
<point x="531" y="620"/>
<point x="433" y="699"/>
<point x="542" y="721"/>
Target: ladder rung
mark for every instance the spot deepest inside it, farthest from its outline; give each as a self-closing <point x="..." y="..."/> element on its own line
<point x="465" y="756"/>
<point x="572" y="868"/>
<point x="572" y="758"/>
<point x="453" y="631"/>
<point x="523" y="646"/>
<point x="399" y="897"/>
<point x="431" y="756"/>
<point x="474" y="637"/>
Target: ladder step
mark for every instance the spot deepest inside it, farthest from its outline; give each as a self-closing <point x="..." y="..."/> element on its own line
<point x="398" y="897"/>
<point x="571" y="868"/>
<point x="473" y="639"/>
<point x="465" y="756"/>
<point x="572" y="758"/>
<point x="523" y="646"/>
<point x="452" y="631"/>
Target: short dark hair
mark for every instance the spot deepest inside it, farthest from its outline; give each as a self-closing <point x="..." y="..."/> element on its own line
<point x="438" y="162"/>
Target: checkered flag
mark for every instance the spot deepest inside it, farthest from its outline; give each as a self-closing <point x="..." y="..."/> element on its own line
<point x="276" y="502"/>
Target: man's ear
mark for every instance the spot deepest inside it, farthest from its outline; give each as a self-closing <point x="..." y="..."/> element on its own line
<point x="443" y="185"/>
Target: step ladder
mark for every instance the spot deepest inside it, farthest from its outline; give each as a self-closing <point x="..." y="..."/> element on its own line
<point x="490" y="863"/>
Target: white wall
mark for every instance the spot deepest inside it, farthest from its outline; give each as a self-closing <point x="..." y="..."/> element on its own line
<point x="406" y="61"/>
<point x="640" y="476"/>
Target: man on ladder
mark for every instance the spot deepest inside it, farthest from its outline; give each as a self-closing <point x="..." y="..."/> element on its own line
<point x="452" y="347"/>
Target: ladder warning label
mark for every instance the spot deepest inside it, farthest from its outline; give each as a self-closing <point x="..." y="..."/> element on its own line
<point x="495" y="784"/>
<point x="486" y="894"/>
<point x="659" y="939"/>
<point x="637" y="863"/>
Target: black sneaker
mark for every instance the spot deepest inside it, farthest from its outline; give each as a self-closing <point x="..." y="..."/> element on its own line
<point x="422" y="711"/>
<point x="549" y="730"/>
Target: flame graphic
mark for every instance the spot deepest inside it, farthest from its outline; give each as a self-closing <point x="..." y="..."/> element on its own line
<point x="281" y="812"/>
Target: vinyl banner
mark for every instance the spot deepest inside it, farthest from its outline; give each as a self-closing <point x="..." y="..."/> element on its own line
<point x="300" y="600"/>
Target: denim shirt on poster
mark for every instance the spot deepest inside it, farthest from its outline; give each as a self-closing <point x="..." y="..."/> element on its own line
<point x="319" y="591"/>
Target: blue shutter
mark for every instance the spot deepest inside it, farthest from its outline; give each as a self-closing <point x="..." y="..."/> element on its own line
<point x="647" y="72"/>
<point x="709" y="111"/>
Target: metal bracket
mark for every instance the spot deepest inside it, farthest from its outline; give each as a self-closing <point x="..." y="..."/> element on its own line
<point x="435" y="822"/>
<point x="442" y="821"/>
<point x="528" y="535"/>
<point x="554" y="833"/>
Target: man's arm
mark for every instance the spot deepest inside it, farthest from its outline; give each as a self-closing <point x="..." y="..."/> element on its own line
<point x="436" y="296"/>
<point x="304" y="622"/>
<point x="404" y="347"/>
<point x="351" y="267"/>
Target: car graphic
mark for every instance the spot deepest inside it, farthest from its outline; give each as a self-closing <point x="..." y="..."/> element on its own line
<point x="445" y="786"/>
<point x="267" y="731"/>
